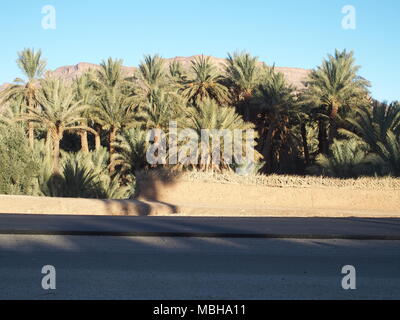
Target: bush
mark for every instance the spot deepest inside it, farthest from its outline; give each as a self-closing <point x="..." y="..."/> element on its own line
<point x="83" y="176"/>
<point x="18" y="166"/>
<point x="348" y="159"/>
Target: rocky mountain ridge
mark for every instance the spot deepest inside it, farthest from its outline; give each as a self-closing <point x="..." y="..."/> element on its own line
<point x="295" y="76"/>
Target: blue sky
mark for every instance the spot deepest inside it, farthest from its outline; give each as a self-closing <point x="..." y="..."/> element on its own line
<point x="289" y="33"/>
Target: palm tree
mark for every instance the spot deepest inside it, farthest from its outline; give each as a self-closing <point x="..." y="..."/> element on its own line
<point x="113" y="111"/>
<point x="109" y="78"/>
<point x="379" y="127"/>
<point x="276" y="102"/>
<point x="109" y="75"/>
<point x="59" y="112"/>
<point x="152" y="76"/>
<point x="243" y="75"/>
<point x="207" y="83"/>
<point x="152" y="71"/>
<point x="32" y="66"/>
<point x="162" y="108"/>
<point x="130" y="156"/>
<point x="209" y="115"/>
<point x="333" y="86"/>
<point x="85" y="93"/>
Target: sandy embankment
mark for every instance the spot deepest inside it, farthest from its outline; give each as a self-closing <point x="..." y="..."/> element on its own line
<point x="171" y="197"/>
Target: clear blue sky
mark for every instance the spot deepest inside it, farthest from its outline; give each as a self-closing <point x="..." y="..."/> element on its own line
<point x="290" y="33"/>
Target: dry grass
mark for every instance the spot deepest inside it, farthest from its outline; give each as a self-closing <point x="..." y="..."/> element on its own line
<point x="285" y="181"/>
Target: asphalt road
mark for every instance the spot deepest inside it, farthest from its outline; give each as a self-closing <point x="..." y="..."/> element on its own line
<point x="298" y="228"/>
<point x="212" y="267"/>
<point x="196" y="268"/>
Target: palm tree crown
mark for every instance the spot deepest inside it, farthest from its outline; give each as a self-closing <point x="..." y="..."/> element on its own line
<point x="206" y="83"/>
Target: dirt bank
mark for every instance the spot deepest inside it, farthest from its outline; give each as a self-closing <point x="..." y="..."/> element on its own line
<point x="204" y="195"/>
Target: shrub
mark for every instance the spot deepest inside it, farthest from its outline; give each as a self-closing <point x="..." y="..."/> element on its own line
<point x="348" y="159"/>
<point x="19" y="167"/>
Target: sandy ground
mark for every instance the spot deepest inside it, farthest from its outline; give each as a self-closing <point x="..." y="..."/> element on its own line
<point x="188" y="198"/>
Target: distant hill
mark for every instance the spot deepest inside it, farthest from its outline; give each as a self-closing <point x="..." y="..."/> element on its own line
<point x="3" y="86"/>
<point x="294" y="76"/>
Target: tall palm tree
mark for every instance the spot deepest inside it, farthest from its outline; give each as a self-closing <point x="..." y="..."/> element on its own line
<point x="276" y="103"/>
<point x="59" y="112"/>
<point x="109" y="78"/>
<point x="152" y="71"/>
<point x="333" y="86"/>
<point x="85" y="93"/>
<point x="207" y="83"/>
<point x="113" y="111"/>
<point x="243" y="75"/>
<point x="32" y="66"/>
<point x="152" y="76"/>
<point x="110" y="74"/>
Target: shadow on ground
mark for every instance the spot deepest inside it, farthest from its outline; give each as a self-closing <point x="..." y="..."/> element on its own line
<point x="146" y="199"/>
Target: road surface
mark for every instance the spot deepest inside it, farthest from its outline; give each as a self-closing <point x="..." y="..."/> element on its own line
<point x="190" y="267"/>
<point x="297" y="228"/>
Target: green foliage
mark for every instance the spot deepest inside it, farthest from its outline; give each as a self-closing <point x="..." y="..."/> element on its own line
<point x="84" y="176"/>
<point x="31" y="63"/>
<point x="162" y="108"/>
<point x="110" y="74"/>
<point x="278" y="110"/>
<point x="130" y="157"/>
<point x="336" y="84"/>
<point x="209" y="115"/>
<point x="379" y="127"/>
<point x="18" y="166"/>
<point x="206" y="83"/>
<point x="243" y="72"/>
<point x="113" y="110"/>
<point x="349" y="159"/>
<point x="59" y="111"/>
<point x="152" y="71"/>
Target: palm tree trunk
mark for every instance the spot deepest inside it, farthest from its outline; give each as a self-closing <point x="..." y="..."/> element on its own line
<point x="98" y="138"/>
<point x="322" y="137"/>
<point x="48" y="141"/>
<point x="31" y="131"/>
<point x="246" y="112"/>
<point x="56" y="155"/>
<point x="267" y="148"/>
<point x="84" y="141"/>
<point x="305" y="144"/>
<point x="31" y="134"/>
<point x="332" y="131"/>
<point x="112" y="138"/>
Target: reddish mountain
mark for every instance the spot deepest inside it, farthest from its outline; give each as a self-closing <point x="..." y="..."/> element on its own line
<point x="295" y="76"/>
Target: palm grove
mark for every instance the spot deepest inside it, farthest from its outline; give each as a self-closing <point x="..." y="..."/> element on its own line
<point x="87" y="137"/>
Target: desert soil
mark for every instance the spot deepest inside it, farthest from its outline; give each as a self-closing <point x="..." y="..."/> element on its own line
<point x="189" y="198"/>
